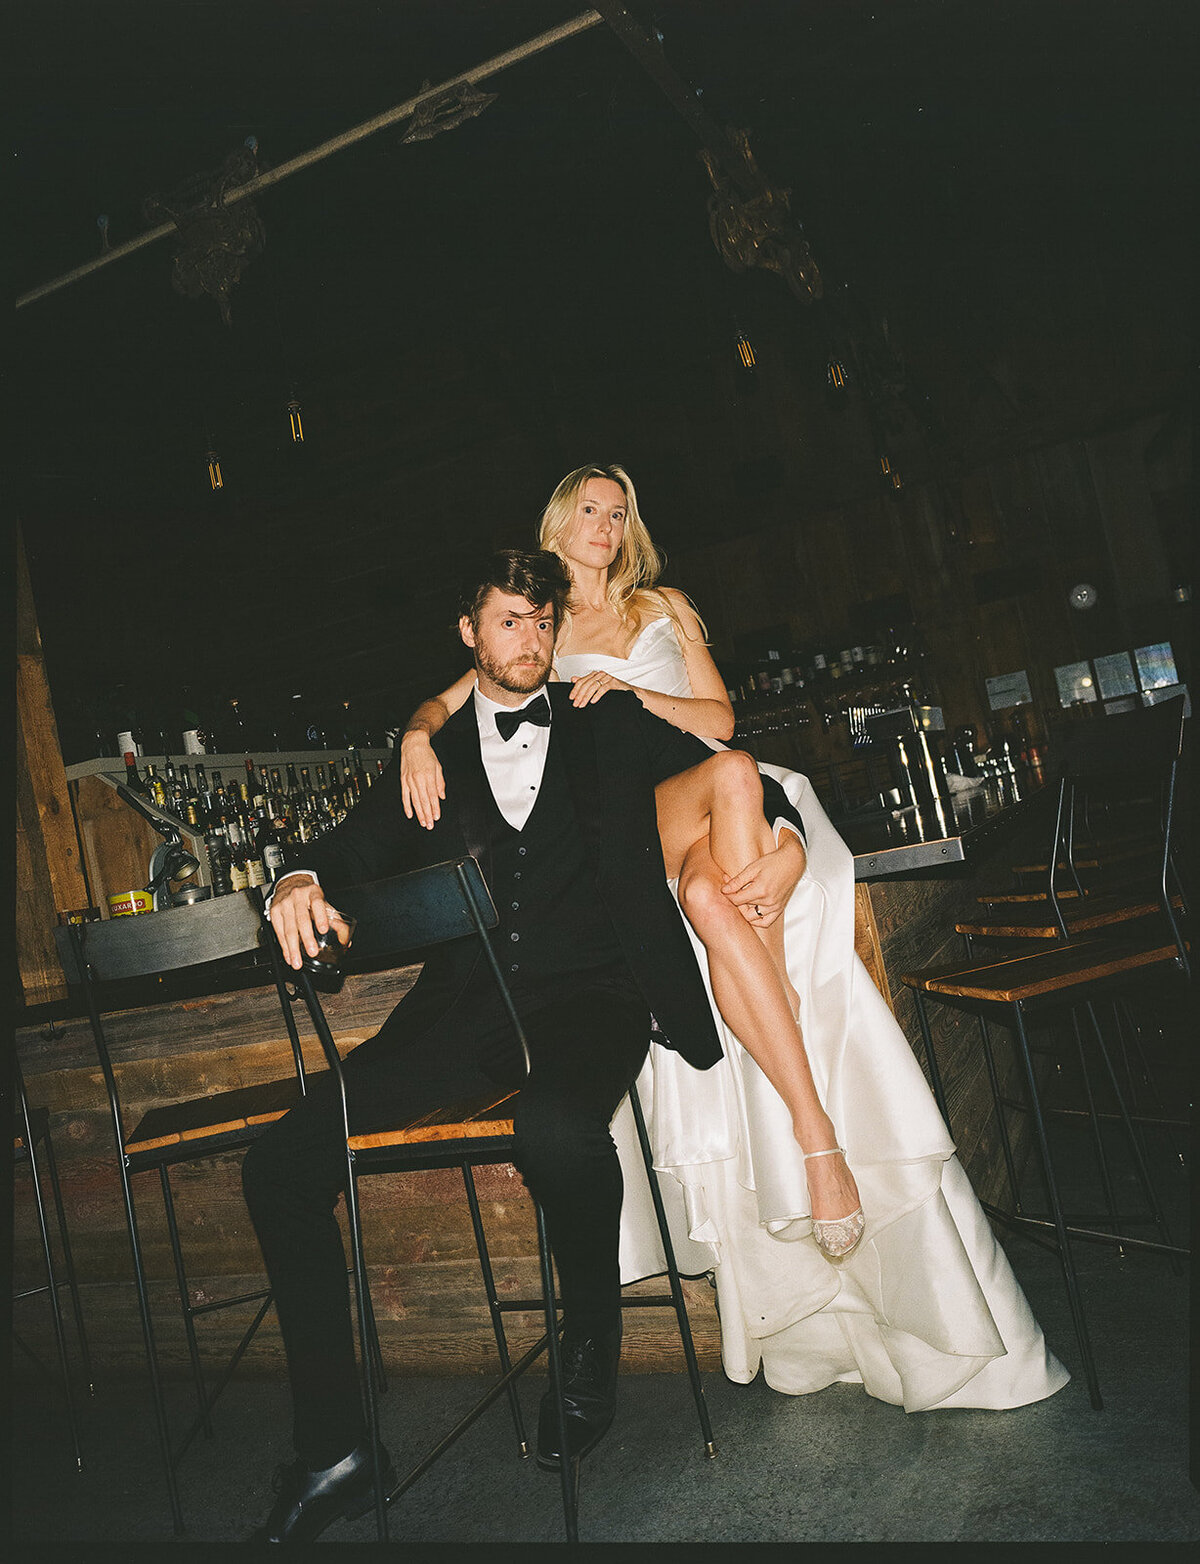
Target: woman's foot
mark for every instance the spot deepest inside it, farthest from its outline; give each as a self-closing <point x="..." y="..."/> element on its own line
<point x="832" y="1191"/>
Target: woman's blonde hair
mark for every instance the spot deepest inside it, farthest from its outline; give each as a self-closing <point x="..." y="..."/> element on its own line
<point x="632" y="586"/>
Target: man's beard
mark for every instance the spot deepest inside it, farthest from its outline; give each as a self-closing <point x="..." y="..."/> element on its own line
<point x="518" y="677"/>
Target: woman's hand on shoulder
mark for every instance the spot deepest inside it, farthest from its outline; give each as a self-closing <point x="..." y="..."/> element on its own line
<point x="422" y="785"/>
<point x="587" y="688"/>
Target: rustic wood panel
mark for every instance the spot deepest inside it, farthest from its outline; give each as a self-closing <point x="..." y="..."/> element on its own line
<point x="117" y="842"/>
<point x="866" y="940"/>
<point x="49" y="872"/>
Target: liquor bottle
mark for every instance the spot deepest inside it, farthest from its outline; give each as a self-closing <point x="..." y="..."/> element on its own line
<point x="207" y="802"/>
<point x="255" y="790"/>
<point x="132" y="779"/>
<point x="219" y="863"/>
<point x="269" y="845"/>
<point x="255" y="874"/>
<point x="155" y="783"/>
<point x="238" y="876"/>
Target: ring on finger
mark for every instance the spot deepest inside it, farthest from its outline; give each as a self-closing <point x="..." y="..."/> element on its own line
<point x="757" y="914"/>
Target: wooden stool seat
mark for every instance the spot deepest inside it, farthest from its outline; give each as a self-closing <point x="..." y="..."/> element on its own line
<point x="1098" y="857"/>
<point x="1085" y="915"/>
<point x="219" y="1117"/>
<point x="476" y="1120"/>
<point x="1044" y="973"/>
<point x="1122" y="883"/>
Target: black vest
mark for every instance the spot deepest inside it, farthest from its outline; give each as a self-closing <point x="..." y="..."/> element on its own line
<point x="552" y="920"/>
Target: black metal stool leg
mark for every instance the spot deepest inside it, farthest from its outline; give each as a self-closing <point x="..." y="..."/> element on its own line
<point x="362" y="1295"/>
<point x="52" y="1284"/>
<point x="1096" y="1127"/>
<point x="489" y="1283"/>
<point x="69" y="1266"/>
<point x="568" y="1470"/>
<point x="681" y="1315"/>
<point x="1065" y="1257"/>
<point x="935" y="1075"/>
<point x="1010" y="1163"/>
<point x="160" y="1410"/>
<point x="381" y="1383"/>
<point x="185" y="1303"/>
<point x="1143" y="1171"/>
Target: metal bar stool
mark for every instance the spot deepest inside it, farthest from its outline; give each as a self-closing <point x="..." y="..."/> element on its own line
<point x="1077" y="974"/>
<point x="32" y="1143"/>
<point x="410" y="911"/>
<point x="98" y="955"/>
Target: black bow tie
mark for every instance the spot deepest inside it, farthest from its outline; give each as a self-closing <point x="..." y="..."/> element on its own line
<point x="537" y="712"/>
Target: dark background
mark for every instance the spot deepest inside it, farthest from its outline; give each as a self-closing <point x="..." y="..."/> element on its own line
<point x="998" y="192"/>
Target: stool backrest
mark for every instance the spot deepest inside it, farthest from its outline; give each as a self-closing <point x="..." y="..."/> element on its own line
<point x="423" y="907"/>
<point x="1132" y="755"/>
<point x="406" y="912"/>
<point x="1137" y="746"/>
<point x="94" y="954"/>
<point x="161" y="941"/>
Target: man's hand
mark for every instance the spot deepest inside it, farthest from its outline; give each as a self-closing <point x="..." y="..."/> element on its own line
<point x="298" y="908"/>
<point x="421" y="781"/>
<point x="761" y="890"/>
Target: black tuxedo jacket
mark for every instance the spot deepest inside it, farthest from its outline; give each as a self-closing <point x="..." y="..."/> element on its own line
<point x="615" y="753"/>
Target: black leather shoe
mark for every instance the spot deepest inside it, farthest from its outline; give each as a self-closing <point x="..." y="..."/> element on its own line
<point x="310" y="1501"/>
<point x="589" y="1366"/>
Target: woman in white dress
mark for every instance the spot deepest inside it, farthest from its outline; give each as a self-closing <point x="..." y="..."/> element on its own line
<point x="920" y="1304"/>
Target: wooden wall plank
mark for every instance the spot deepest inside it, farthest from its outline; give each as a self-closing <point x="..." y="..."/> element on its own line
<point x="50" y="868"/>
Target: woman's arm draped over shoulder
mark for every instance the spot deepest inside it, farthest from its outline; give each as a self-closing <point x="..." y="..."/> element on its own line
<point x="707" y="712"/>
<point x="422" y="786"/>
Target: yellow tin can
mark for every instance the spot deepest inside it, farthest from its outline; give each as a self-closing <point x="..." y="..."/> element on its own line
<point x="125" y="903"/>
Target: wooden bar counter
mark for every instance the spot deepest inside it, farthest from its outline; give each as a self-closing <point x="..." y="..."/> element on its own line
<point x="174" y="1042"/>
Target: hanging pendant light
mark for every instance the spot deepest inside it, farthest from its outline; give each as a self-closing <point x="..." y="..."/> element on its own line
<point x="297" y="423"/>
<point x="214" y="470"/>
<point x="837" y="375"/>
<point x="745" y="351"/>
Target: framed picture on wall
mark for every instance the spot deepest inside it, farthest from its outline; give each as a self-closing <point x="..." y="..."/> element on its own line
<point x="1115" y="676"/>
<point x="1008" y="689"/>
<point x="1156" y="666"/>
<point x="1075" y="684"/>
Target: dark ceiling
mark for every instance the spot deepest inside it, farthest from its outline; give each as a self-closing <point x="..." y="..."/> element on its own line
<point x="463" y="319"/>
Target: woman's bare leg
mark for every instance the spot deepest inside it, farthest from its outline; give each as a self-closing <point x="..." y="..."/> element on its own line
<point x="718" y="805"/>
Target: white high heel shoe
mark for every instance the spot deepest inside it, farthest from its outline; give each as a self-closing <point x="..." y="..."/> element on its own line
<point x="838" y="1238"/>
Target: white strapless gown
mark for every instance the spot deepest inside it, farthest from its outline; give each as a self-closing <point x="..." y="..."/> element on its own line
<point x="926" y="1312"/>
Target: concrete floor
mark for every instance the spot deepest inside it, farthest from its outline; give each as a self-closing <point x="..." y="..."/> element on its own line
<point x="832" y="1467"/>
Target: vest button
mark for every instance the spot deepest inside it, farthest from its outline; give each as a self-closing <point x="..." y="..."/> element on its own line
<point x="516" y="906"/>
<point x="515" y="967"/>
<point x="514" y="937"/>
<point x="521" y="851"/>
<point x="516" y="874"/>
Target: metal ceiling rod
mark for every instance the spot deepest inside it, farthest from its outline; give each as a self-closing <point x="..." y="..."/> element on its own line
<point x="492" y="67"/>
<point x="683" y="99"/>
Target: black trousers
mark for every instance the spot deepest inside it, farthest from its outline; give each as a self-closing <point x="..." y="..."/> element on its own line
<point x="588" y="1036"/>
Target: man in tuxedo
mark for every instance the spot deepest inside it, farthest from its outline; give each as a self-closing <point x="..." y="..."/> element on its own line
<point x="557" y="804"/>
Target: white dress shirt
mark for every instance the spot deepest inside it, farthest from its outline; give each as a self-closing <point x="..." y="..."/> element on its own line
<point x="514" y="766"/>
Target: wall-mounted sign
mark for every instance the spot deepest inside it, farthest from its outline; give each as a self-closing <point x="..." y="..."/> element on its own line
<point x="1075" y="684"/>
<point x="1156" y="666"/>
<point x="1008" y="689"/>
<point x="1115" y="675"/>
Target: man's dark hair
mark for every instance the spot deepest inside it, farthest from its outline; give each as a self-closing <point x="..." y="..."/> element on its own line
<point x="537" y="575"/>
